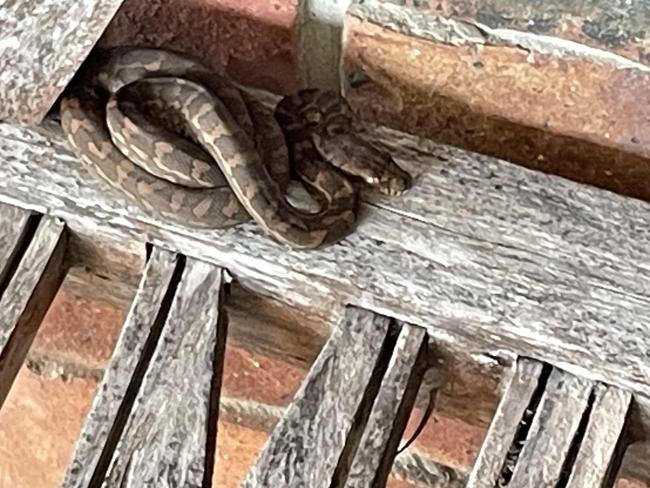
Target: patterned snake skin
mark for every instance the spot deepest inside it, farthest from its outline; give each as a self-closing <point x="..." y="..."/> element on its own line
<point x="190" y="146"/>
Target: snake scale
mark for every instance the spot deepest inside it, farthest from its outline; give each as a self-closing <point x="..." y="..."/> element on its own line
<point x="191" y="146"/>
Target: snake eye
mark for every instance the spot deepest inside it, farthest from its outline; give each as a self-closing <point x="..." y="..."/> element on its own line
<point x="335" y="129"/>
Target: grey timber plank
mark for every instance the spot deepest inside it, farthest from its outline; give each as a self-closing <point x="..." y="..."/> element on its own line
<point x="552" y="432"/>
<point x="43" y="43"/>
<point x="105" y="421"/>
<point x="602" y="440"/>
<point x="28" y="294"/>
<point x="169" y="437"/>
<point x="503" y="428"/>
<point x="13" y="223"/>
<point x="304" y="449"/>
<point x="390" y="412"/>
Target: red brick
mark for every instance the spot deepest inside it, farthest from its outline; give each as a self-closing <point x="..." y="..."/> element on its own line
<point x="253" y="376"/>
<point x="39" y="424"/>
<point x="237" y="451"/>
<point x="252" y="41"/>
<point x="78" y="331"/>
<point x="451" y="442"/>
<point x="572" y="115"/>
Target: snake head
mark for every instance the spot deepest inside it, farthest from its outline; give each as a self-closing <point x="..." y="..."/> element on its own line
<point x="357" y="157"/>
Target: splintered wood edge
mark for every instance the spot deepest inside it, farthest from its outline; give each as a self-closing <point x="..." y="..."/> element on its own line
<point x="28" y="295"/>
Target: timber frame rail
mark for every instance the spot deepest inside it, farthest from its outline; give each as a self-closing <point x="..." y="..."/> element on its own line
<point x="455" y="273"/>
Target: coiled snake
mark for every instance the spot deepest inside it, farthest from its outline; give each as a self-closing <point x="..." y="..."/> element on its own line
<point x="152" y="123"/>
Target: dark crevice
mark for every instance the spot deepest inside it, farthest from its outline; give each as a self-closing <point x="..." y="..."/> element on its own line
<point x="576" y="443"/>
<point x="25" y="239"/>
<point x="403" y="414"/>
<point x="365" y="407"/>
<point x="524" y="427"/>
<point x="215" y="387"/>
<point x="136" y="379"/>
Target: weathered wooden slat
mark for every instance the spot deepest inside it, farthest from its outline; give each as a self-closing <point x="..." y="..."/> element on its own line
<point x="390" y="412"/>
<point x="305" y="447"/>
<point x="27" y="296"/>
<point x="494" y="255"/>
<point x="505" y="423"/>
<point x="552" y="432"/>
<point x="170" y="433"/>
<point x="32" y="72"/>
<point x="601" y="442"/>
<point x="104" y="422"/>
<point x="13" y="223"/>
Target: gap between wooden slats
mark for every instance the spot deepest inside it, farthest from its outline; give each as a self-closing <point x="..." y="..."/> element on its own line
<point x="505" y="423"/>
<point x="391" y="408"/>
<point x="31" y="274"/>
<point x="602" y="445"/>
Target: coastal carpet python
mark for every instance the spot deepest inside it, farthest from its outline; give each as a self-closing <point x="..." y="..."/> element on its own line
<point x="190" y="146"/>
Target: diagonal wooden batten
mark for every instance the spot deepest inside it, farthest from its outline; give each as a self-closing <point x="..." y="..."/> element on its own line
<point x="13" y="232"/>
<point x="504" y="426"/>
<point x="105" y="419"/>
<point x="552" y="432"/>
<point x="551" y="429"/>
<point x="495" y="255"/>
<point x="170" y="434"/>
<point x="154" y="417"/>
<point x="602" y="444"/>
<point x="32" y="273"/>
<point x="378" y="446"/>
<point x="305" y="447"/>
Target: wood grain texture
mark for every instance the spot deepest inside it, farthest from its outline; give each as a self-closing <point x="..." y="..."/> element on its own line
<point x="169" y="437"/>
<point x="304" y="449"/>
<point x="390" y="411"/>
<point x="13" y="222"/>
<point x="33" y="73"/>
<point x="501" y="433"/>
<point x="552" y="432"/>
<point x="479" y="252"/>
<point x="28" y="295"/>
<point x="104" y="423"/>
<point x="601" y="442"/>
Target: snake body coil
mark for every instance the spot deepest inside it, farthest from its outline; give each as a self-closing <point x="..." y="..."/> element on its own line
<point x="153" y="124"/>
